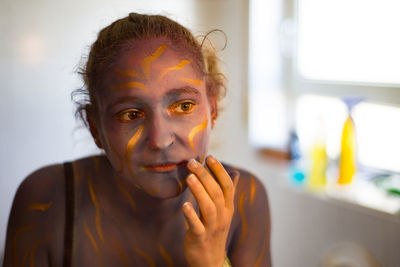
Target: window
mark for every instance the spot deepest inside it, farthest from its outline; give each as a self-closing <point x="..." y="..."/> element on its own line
<point x="306" y="55"/>
<point x="349" y="40"/>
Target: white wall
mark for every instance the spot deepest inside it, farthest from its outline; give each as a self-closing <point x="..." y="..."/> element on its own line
<point x="41" y="45"/>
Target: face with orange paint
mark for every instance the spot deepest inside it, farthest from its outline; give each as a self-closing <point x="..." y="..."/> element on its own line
<point x="154" y="115"/>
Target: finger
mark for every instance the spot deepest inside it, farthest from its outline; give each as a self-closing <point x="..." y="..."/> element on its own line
<point x="210" y="184"/>
<point x="223" y="178"/>
<point x="206" y="205"/>
<point x="194" y="222"/>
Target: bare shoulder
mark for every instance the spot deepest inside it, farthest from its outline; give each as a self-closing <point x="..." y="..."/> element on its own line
<point x="43" y="184"/>
<point x="35" y="222"/>
<point x="250" y="228"/>
<point x="251" y="199"/>
<point x="249" y="187"/>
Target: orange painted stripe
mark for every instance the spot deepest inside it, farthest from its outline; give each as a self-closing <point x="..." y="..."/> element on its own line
<point x="15" y="240"/>
<point x="121" y="253"/>
<point x="125" y="193"/>
<point x="166" y="257"/>
<point x="93" y="242"/>
<point x="129" y="85"/>
<point x="252" y="189"/>
<point x="202" y="157"/>
<point x="146" y="63"/>
<point x="26" y="253"/>
<point x="96" y="205"/>
<point x="131" y="145"/>
<point x="149" y="260"/>
<point x="261" y="256"/>
<point x="195" y="131"/>
<point x="129" y="73"/>
<point x="243" y="217"/>
<point x="180" y="184"/>
<point x="39" y="206"/>
<point x="179" y="66"/>
<point x="192" y="81"/>
<point x="33" y="252"/>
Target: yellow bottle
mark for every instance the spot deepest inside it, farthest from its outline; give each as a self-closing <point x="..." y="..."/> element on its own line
<point x="347" y="165"/>
<point x="319" y="159"/>
<point x="319" y="166"/>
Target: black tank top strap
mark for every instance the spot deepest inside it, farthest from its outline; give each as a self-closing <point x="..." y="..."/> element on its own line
<point x="69" y="214"/>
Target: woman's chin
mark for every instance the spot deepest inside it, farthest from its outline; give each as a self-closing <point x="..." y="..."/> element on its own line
<point x="165" y="184"/>
<point x="166" y="189"/>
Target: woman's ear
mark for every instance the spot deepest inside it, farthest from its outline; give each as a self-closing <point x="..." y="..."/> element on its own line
<point x="214" y="110"/>
<point x="93" y="126"/>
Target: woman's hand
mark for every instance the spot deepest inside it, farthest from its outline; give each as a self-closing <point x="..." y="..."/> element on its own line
<point x="205" y="240"/>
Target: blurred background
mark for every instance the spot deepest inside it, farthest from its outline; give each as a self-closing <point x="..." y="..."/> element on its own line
<point x="313" y="109"/>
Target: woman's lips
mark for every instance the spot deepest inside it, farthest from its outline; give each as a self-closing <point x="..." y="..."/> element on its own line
<point x="164" y="167"/>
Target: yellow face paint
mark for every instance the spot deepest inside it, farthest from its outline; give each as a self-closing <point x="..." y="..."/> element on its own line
<point x="97" y="208"/>
<point x="180" y="185"/>
<point x="93" y="242"/>
<point x="167" y="258"/>
<point x="15" y="240"/>
<point x="126" y="194"/>
<point x="146" y="63"/>
<point x="130" y="85"/>
<point x="39" y="206"/>
<point x="33" y="252"/>
<point x="154" y="191"/>
<point x="252" y="189"/>
<point x="260" y="257"/>
<point x="129" y="73"/>
<point x="179" y="66"/>
<point x="149" y="260"/>
<point x="202" y="157"/>
<point x="131" y="145"/>
<point x="192" y="81"/>
<point x="26" y="253"/>
<point x="195" y="131"/>
<point x="121" y="253"/>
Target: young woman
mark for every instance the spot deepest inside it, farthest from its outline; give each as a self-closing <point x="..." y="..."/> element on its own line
<point x="155" y="198"/>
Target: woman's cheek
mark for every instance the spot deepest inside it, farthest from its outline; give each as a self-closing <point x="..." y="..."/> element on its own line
<point x="115" y="149"/>
<point x="198" y="139"/>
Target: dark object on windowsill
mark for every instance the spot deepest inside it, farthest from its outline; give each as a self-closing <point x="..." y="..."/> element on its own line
<point x="274" y="154"/>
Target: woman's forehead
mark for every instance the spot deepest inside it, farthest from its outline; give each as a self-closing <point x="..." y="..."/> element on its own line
<point x="147" y="53"/>
<point x="152" y="67"/>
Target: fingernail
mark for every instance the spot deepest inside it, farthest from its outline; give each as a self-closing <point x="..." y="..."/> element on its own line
<point x="211" y="159"/>
<point x="186" y="205"/>
<point x="192" y="163"/>
<point x="191" y="178"/>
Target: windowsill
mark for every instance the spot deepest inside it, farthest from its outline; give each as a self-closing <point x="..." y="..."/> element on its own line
<point x="361" y="195"/>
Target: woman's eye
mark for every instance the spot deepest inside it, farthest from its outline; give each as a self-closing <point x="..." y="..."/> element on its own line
<point x="129" y="115"/>
<point x="183" y="107"/>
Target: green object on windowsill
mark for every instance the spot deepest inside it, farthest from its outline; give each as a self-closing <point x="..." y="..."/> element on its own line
<point x="394" y="191"/>
<point x="389" y="183"/>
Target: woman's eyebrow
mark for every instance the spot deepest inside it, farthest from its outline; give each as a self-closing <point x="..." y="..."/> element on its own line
<point x="183" y="90"/>
<point x="124" y="99"/>
<point x="128" y="85"/>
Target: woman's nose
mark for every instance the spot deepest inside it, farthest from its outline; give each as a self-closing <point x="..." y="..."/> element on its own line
<point x="160" y="134"/>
